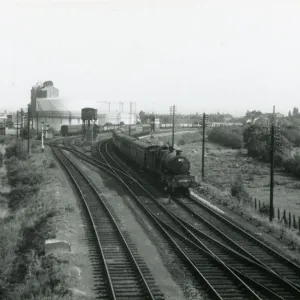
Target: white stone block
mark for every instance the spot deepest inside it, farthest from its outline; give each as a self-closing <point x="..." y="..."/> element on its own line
<point x="54" y="245"/>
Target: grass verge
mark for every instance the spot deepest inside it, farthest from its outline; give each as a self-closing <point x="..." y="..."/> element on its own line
<point x="26" y="272"/>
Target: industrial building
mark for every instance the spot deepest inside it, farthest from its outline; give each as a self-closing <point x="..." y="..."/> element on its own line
<point x="3" y="120"/>
<point x="118" y="117"/>
<point x="47" y="107"/>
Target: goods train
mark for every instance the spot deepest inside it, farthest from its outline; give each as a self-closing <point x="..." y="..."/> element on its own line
<point x="199" y="125"/>
<point x="67" y="130"/>
<point x="169" y="166"/>
<point x="142" y="129"/>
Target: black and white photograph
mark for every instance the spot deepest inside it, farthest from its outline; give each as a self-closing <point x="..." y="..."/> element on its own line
<point x="149" y="150"/>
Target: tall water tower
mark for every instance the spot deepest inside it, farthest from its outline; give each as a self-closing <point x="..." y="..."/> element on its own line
<point x="88" y="117"/>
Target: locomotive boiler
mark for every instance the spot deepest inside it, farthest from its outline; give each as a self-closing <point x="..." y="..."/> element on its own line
<point x="169" y="166"/>
<point x="176" y="163"/>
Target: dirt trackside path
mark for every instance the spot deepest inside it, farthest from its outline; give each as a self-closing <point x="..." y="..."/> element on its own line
<point x="70" y="226"/>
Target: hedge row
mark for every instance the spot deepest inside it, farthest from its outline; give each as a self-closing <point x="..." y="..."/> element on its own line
<point x="227" y="136"/>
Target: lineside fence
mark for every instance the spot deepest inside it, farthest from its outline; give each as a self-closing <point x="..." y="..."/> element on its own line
<point x="283" y="217"/>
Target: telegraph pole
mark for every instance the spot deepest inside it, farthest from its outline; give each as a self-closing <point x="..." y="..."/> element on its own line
<point x="130" y="118"/>
<point x="17" y="124"/>
<point x="37" y="125"/>
<point x="42" y="136"/>
<point x="203" y="142"/>
<point x="272" y="167"/>
<point x="28" y="127"/>
<point x="172" y="112"/>
<point x="22" y="127"/>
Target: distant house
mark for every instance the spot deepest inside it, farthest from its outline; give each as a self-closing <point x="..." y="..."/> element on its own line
<point x="265" y="118"/>
<point x="218" y="124"/>
<point x="270" y="115"/>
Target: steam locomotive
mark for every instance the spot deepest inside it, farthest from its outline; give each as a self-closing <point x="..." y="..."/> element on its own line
<point x="169" y="166"/>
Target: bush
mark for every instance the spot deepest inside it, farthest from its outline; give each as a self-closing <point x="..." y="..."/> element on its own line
<point x="264" y="209"/>
<point x="227" y="136"/>
<point x="292" y="165"/>
<point x="20" y="194"/>
<point x="11" y="151"/>
<point x="25" y="272"/>
<point x="292" y="134"/>
<point x="238" y="190"/>
<point x="258" y="142"/>
<point x="23" y="172"/>
<point x="15" y="150"/>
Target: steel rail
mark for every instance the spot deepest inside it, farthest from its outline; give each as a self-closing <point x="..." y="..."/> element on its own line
<point x="111" y="289"/>
<point x="174" y="219"/>
<point x="150" y="195"/>
<point x="283" y="280"/>
<point x="232" y="242"/>
<point x="254" y="242"/>
<point x="149" y="295"/>
<point x="192" y="267"/>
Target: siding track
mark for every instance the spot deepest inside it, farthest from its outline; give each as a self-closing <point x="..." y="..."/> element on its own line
<point x="218" y="262"/>
<point x="122" y="274"/>
<point x="223" y="230"/>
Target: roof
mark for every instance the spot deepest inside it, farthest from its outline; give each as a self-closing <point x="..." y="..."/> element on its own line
<point x="53" y="105"/>
<point x="125" y="136"/>
<point x="49" y="87"/>
<point x="141" y="144"/>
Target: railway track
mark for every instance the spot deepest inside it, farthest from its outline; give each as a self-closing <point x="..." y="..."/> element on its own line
<point x="121" y="273"/>
<point x="266" y="283"/>
<point x="223" y="230"/>
<point x="233" y="258"/>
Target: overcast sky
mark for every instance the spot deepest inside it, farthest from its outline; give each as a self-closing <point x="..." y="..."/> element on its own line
<point x="213" y="55"/>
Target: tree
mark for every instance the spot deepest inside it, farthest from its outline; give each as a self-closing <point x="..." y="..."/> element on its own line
<point x="165" y="119"/>
<point x="227" y="136"/>
<point x="24" y="133"/>
<point x="257" y="141"/>
<point x="253" y="114"/>
<point x="142" y="116"/>
<point x="295" y="112"/>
